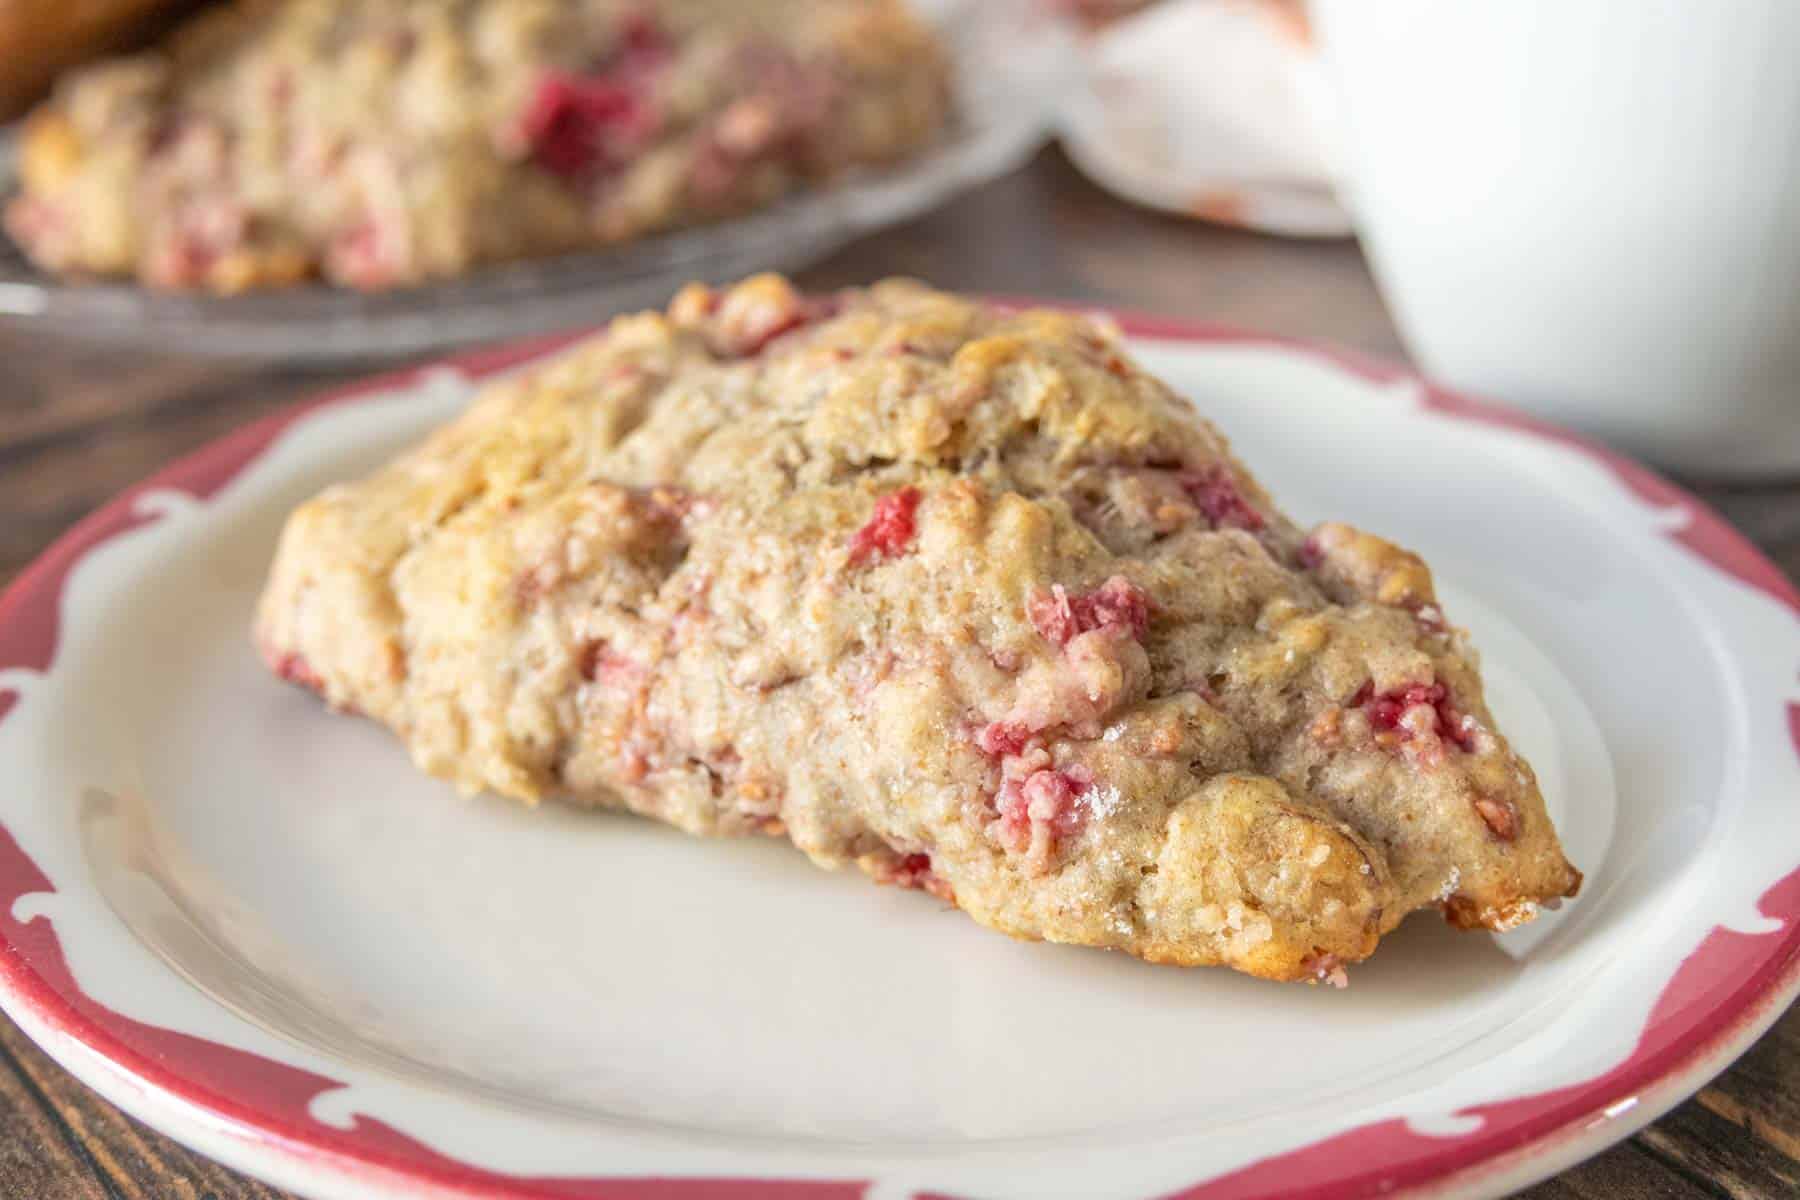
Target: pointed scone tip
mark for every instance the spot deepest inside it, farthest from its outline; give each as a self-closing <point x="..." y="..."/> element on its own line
<point x="962" y="597"/>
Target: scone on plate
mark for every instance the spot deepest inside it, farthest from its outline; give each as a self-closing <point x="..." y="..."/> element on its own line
<point x="961" y="596"/>
<point x="379" y="143"/>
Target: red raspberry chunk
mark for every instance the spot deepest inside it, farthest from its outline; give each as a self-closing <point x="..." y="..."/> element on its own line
<point x="915" y="871"/>
<point x="1116" y="604"/>
<point x="294" y="668"/>
<point x="890" y="530"/>
<point x="597" y="662"/>
<point x="641" y="40"/>
<point x="575" y="125"/>
<point x="1388" y="711"/>
<point x="1215" y="490"/>
<point x="997" y="739"/>
<point x="1046" y="797"/>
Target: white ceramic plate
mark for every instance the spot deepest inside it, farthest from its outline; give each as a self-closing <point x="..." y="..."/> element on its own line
<point x="1011" y="66"/>
<point x="253" y="925"/>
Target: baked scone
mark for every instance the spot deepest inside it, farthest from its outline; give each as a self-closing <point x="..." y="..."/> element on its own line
<point x="958" y="595"/>
<point x="378" y="143"/>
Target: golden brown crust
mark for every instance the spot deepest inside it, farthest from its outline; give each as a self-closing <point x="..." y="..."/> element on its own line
<point x="961" y="597"/>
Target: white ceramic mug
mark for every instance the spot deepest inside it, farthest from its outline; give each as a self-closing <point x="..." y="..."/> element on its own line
<point x="1590" y="208"/>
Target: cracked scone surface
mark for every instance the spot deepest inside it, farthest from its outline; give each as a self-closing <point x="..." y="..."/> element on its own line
<point x="960" y="596"/>
<point x="386" y="143"/>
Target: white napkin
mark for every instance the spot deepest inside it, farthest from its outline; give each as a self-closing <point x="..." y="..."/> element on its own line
<point x="1210" y="108"/>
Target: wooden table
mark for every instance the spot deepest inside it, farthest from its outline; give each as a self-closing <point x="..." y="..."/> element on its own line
<point x="78" y="424"/>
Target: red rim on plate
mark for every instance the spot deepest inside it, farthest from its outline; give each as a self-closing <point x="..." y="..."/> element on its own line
<point x="1723" y="995"/>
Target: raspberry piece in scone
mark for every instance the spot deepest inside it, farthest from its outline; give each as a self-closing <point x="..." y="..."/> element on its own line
<point x="1216" y="492"/>
<point x="985" y="617"/>
<point x="1117" y="603"/>
<point x="890" y="530"/>
<point x="1414" y="710"/>
<point x="295" y="669"/>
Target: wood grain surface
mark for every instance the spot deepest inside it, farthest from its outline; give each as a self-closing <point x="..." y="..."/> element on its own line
<point x="77" y="424"/>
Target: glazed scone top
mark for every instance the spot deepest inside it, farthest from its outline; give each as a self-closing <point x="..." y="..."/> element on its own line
<point x="959" y="594"/>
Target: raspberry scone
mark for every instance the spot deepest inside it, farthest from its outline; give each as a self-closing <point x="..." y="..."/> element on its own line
<point x="378" y="143"/>
<point x="958" y="595"/>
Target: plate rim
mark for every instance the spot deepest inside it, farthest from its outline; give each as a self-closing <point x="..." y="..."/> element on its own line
<point x="1552" y="1130"/>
